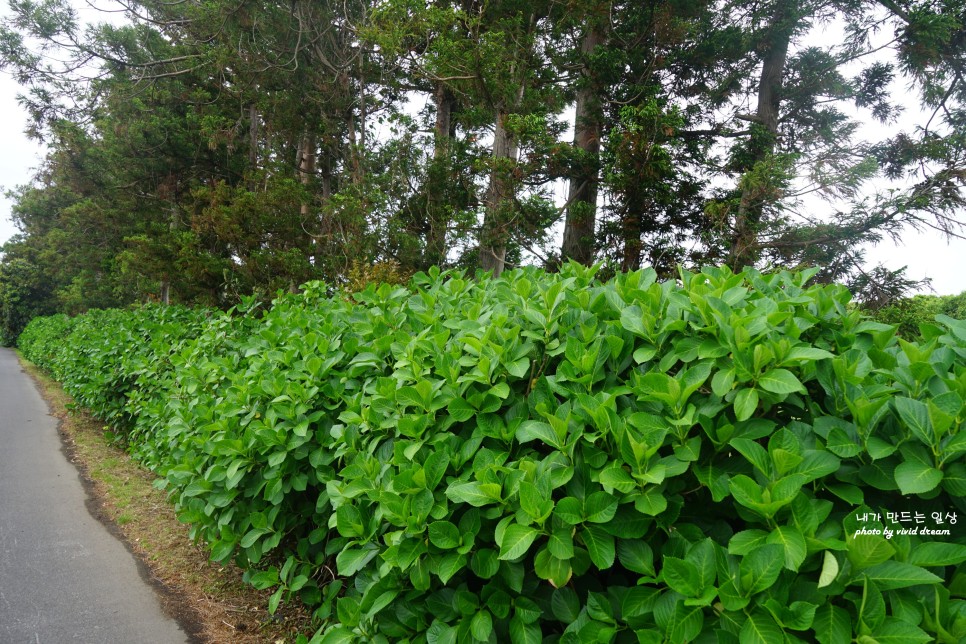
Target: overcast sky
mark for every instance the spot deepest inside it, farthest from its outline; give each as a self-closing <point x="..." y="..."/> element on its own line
<point x="18" y="156"/>
<point x="926" y="254"/>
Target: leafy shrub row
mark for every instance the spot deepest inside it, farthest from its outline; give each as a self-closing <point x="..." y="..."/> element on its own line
<point x="908" y="313"/>
<point x="547" y="458"/>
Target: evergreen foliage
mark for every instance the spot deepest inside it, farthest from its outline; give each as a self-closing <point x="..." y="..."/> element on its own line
<point x="200" y="152"/>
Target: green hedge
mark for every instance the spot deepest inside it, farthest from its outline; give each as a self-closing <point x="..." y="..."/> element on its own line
<point x="547" y="458"/>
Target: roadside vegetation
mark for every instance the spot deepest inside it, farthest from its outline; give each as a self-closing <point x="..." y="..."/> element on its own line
<point x="552" y="457"/>
<point x="210" y="600"/>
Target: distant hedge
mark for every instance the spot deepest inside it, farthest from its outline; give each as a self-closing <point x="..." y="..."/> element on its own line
<point x="547" y="458"/>
<point x="908" y="313"/>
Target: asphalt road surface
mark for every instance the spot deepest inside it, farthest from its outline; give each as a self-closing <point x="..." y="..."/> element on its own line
<point x="63" y="576"/>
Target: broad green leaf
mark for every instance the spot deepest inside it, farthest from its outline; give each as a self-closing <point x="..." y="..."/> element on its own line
<point x="879" y="474"/>
<point x="565" y="605"/>
<point x="934" y="553"/>
<point x="561" y="542"/>
<point x="264" y="579"/>
<point x="481" y="626"/>
<point x="475" y="493"/>
<point x="554" y="569"/>
<point x="600" y="507"/>
<point x="745" y="541"/>
<point x="805" y="353"/>
<point x="871" y="608"/>
<point x="460" y="410"/>
<point x="896" y="631"/>
<point x="760" y="568"/>
<point x="638" y="601"/>
<point x="644" y="353"/>
<point x="732" y="599"/>
<point x="222" y="549"/>
<point x="485" y="563"/>
<point x="599" y="607"/>
<point x="704" y="558"/>
<point x="830" y="570"/>
<point x="569" y="510"/>
<point x="537" y="430"/>
<point x="693" y="378"/>
<point x="954" y="479"/>
<point x="537" y="505"/>
<point x="650" y="503"/>
<point x="600" y="546"/>
<point x="866" y="550"/>
<point x="526" y="610"/>
<point x="780" y="381"/>
<point x="410" y="396"/>
<point x="832" y="625"/>
<point x="914" y="477"/>
<point x="754" y="453"/>
<point x="252" y="536"/>
<point x="851" y="494"/>
<point x="746" y="402"/>
<point x="817" y="464"/>
<point x="689" y="452"/>
<point x="451" y="564"/>
<point x="841" y="444"/>
<point x="746" y="491"/>
<point x="632" y="319"/>
<point x="749" y="494"/>
<point x="784" y="460"/>
<point x="799" y="616"/>
<point x="519" y="368"/>
<point x="617" y="477"/>
<point x="501" y="390"/>
<point x="760" y="628"/>
<point x="915" y="415"/>
<point x="466" y="603"/>
<point x="681" y="576"/>
<point x="344" y="635"/>
<point x="517" y="540"/>
<point x="441" y="633"/>
<point x="444" y="534"/>
<point x="352" y="560"/>
<point x="636" y="556"/>
<point x="879" y="448"/>
<point x="792" y="542"/>
<point x="722" y="382"/>
<point x="524" y="633"/>
<point x="890" y="575"/>
<point x="685" y="623"/>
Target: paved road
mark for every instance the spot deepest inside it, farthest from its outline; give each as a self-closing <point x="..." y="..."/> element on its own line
<point x="63" y="576"/>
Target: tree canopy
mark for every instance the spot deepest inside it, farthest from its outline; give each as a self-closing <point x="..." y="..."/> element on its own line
<point x="201" y="151"/>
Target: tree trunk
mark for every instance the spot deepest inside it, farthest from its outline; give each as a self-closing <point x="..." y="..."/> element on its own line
<point x="631" y="235"/>
<point x="750" y="207"/>
<point x="306" y="169"/>
<point x="173" y="224"/>
<point x="578" y="236"/>
<point x="436" y="215"/>
<point x="252" y="138"/>
<point x="499" y="199"/>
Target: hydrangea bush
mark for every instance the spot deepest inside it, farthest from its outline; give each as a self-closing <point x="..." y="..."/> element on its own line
<point x="548" y="458"/>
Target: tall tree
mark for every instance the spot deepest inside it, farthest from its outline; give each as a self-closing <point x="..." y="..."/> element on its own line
<point x="581" y="206"/>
